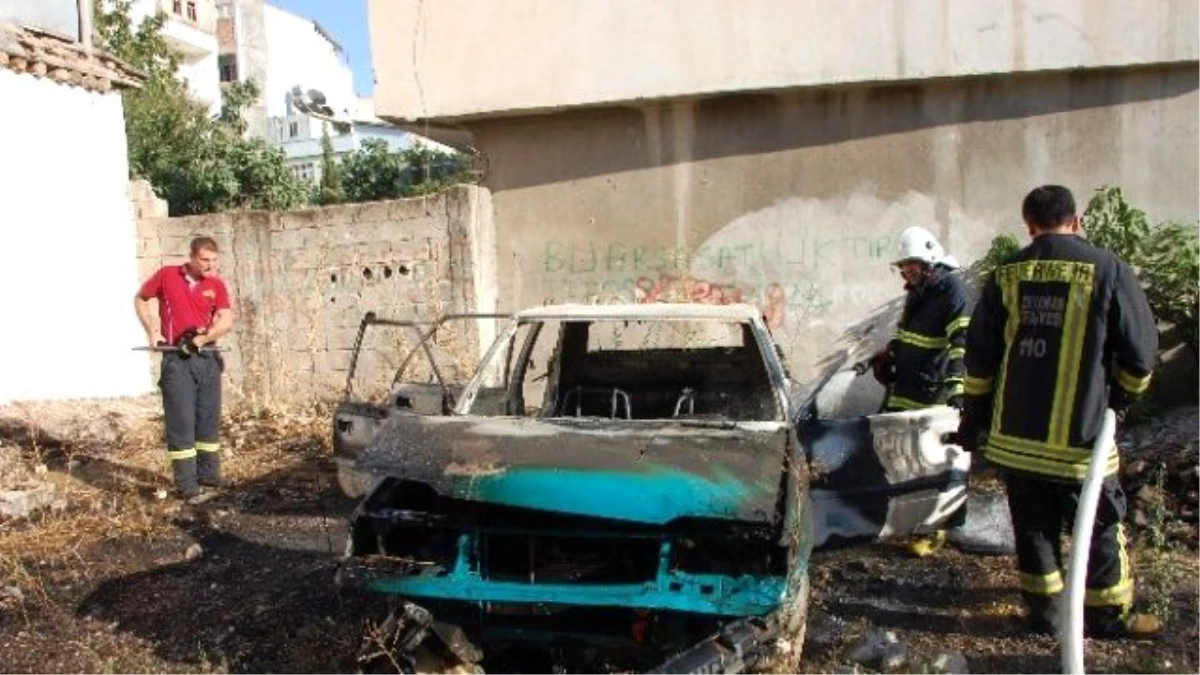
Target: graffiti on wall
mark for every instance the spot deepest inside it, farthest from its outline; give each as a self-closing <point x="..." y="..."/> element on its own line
<point x="798" y="260"/>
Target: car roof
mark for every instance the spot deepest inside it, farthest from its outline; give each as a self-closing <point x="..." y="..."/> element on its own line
<point x="662" y="311"/>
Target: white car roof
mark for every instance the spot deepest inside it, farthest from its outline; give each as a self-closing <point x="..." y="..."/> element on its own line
<point x="638" y="312"/>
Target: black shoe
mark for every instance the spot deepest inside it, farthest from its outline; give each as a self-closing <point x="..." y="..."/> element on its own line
<point x="1040" y="625"/>
<point x="1129" y="627"/>
<point x="217" y="483"/>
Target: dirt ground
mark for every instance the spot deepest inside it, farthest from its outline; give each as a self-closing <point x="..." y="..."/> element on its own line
<point x="112" y="577"/>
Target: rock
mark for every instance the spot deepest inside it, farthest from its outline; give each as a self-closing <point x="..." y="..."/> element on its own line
<point x="11" y="594"/>
<point x="21" y="503"/>
<point x="879" y="648"/>
<point x="949" y="661"/>
<point x="193" y="552"/>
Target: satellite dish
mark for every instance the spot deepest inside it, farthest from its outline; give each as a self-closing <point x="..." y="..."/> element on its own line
<point x="316" y="97"/>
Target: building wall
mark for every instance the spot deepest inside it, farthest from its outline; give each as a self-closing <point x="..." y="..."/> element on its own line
<point x="302" y="280"/>
<point x="298" y="55"/>
<point x="196" y="42"/>
<point x="463" y="58"/>
<point x="70" y="242"/>
<point x="793" y="200"/>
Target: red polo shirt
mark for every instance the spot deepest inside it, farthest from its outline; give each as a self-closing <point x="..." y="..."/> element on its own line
<point x="184" y="303"/>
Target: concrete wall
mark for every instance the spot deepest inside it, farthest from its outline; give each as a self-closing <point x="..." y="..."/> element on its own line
<point x="302" y="280"/>
<point x="69" y="242"/>
<point x="792" y="200"/>
<point x="463" y="58"/>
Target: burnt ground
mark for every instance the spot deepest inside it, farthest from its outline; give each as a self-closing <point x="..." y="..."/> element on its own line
<point x="113" y="578"/>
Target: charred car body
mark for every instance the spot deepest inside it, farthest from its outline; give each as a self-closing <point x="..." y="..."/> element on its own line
<point x="619" y="487"/>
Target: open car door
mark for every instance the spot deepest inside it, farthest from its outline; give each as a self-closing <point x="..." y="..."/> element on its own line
<point x="875" y="477"/>
<point x="885" y="475"/>
<point x="403" y="367"/>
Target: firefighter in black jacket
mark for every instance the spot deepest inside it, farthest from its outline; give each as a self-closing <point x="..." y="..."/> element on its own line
<point x="922" y="365"/>
<point x="1062" y="331"/>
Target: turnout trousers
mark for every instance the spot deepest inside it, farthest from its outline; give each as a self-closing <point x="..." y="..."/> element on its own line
<point x="1043" y="513"/>
<point x="191" y="394"/>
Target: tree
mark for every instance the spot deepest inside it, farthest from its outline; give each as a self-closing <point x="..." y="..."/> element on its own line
<point x="196" y="163"/>
<point x="371" y="172"/>
<point x="330" y="190"/>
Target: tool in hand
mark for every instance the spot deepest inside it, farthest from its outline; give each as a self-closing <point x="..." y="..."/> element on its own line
<point x="186" y="345"/>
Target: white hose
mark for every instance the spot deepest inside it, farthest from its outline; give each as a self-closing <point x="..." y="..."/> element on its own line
<point x="1071" y="638"/>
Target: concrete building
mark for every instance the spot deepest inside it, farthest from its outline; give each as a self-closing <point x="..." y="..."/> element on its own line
<point x="281" y="51"/>
<point x="70" y="237"/>
<point x="191" y="28"/>
<point x="770" y="151"/>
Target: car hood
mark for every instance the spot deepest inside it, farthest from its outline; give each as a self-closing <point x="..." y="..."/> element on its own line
<point x="645" y="472"/>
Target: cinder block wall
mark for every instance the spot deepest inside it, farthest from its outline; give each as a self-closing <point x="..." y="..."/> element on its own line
<point x="302" y="280"/>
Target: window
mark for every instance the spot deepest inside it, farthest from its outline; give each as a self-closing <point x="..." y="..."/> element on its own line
<point x="177" y="7"/>
<point x="227" y="65"/>
<point x="191" y="10"/>
<point x="293" y="129"/>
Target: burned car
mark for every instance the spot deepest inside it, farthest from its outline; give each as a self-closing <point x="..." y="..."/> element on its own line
<point x="619" y="487"/>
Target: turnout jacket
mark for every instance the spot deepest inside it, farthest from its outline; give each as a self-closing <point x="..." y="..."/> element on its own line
<point x="927" y="351"/>
<point x="1062" y="331"/>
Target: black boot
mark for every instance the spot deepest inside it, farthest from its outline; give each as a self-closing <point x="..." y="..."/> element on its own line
<point x="208" y="468"/>
<point x="1115" y="623"/>
<point x="184" y="471"/>
<point x="1045" y="613"/>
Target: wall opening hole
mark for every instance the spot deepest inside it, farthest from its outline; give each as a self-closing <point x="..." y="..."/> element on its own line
<point x="403" y="270"/>
<point x="333" y="278"/>
<point x="332" y="299"/>
<point x="367" y="273"/>
<point x="387" y="272"/>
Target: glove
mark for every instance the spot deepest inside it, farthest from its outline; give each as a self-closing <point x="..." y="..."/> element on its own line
<point x="883" y="368"/>
<point x="955" y="401"/>
<point x="968" y="433"/>
<point x="1120" y="401"/>
<point x="187" y="343"/>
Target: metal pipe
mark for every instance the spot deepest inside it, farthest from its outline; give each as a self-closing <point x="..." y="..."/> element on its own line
<point x="1071" y="633"/>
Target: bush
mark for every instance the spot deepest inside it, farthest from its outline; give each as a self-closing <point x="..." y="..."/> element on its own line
<point x="1166" y="257"/>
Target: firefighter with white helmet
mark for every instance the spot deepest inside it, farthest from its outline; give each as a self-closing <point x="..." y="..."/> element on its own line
<point x="922" y="365"/>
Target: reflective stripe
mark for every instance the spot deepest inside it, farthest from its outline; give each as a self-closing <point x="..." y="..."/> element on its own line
<point x="1070" y="356"/>
<point x="1121" y="595"/>
<point x="925" y="341"/>
<point x="1035" y="459"/>
<point x="207" y="447"/>
<point x="954" y="388"/>
<point x="187" y="453"/>
<point x="977" y="386"/>
<point x="1012" y="307"/>
<point x="1132" y="383"/>
<point x="902" y="403"/>
<point x="958" y="324"/>
<point x="956" y="352"/>
<point x="1041" y="584"/>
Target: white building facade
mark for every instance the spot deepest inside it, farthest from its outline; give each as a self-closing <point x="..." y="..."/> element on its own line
<point x="71" y="243"/>
<point x="191" y="28"/>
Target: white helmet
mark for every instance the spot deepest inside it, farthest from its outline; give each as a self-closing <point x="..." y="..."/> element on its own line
<point x="917" y="243"/>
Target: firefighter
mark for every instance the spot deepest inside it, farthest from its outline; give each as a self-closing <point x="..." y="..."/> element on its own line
<point x="922" y="365"/>
<point x="1062" y="330"/>
<point x="193" y="312"/>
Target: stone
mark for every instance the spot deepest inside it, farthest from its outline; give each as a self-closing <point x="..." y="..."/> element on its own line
<point x="21" y="503"/>
<point x="193" y="552"/>
<point x="949" y="661"/>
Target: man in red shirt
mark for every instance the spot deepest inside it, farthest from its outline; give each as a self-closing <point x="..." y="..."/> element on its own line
<point x="193" y="311"/>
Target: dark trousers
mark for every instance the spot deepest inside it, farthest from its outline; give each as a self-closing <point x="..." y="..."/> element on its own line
<point x="191" y="393"/>
<point x="1043" y="512"/>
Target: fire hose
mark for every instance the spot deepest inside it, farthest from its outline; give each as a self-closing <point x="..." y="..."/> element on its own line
<point x="1071" y="635"/>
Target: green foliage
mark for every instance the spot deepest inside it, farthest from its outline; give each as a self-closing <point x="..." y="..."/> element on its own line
<point x="330" y="189"/>
<point x="197" y="163"/>
<point x="374" y="172"/>
<point x="1003" y="247"/>
<point x="1166" y="256"/>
